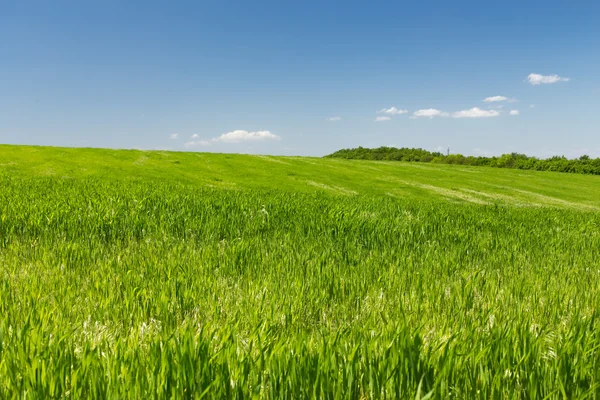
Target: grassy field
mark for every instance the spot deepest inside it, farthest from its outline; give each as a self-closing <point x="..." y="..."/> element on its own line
<point x="477" y="185"/>
<point x="133" y="274"/>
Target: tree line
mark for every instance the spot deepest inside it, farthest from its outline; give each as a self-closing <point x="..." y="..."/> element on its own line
<point x="581" y="165"/>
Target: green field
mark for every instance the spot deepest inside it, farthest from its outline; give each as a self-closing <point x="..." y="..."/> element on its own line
<point x="138" y="274"/>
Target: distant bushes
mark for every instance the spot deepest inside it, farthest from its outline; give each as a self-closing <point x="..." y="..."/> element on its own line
<point x="581" y="165"/>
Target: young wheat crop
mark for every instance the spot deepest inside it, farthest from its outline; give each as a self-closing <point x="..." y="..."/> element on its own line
<point x="121" y="289"/>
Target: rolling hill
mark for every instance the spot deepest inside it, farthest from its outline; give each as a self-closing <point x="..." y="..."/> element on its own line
<point x="480" y="185"/>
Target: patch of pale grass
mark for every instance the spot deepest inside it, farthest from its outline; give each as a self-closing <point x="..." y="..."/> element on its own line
<point x="271" y="159"/>
<point x="557" y="202"/>
<point x="454" y="194"/>
<point x="335" y="189"/>
<point x="141" y="160"/>
<point x="508" y="199"/>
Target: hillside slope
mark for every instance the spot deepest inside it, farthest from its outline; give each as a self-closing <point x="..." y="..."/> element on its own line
<point x="478" y="185"/>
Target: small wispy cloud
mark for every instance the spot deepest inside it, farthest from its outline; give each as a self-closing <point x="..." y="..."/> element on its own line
<point x="494" y="99"/>
<point x="334" y="119"/>
<point x="392" y="111"/>
<point x="475" y="112"/>
<point x="515" y="112"/>
<point x="174" y="136"/>
<point x="537" y="79"/>
<point x="195" y="136"/>
<point x="237" y="136"/>
<point x="382" y="118"/>
<point x="497" y="99"/>
<point x="532" y="106"/>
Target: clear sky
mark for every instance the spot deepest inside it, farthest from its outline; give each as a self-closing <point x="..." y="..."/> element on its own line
<point x="302" y="77"/>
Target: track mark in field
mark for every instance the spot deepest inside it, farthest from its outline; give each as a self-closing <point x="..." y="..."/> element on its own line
<point x="329" y="165"/>
<point x="271" y="159"/>
<point x="455" y="194"/>
<point x="369" y="167"/>
<point x="338" y="163"/>
<point x="549" y="200"/>
<point x="508" y="199"/>
<point x="335" y="189"/>
<point x="546" y="201"/>
<point x="306" y="161"/>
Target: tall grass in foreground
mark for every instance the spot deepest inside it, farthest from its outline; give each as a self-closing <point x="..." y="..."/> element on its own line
<point x="145" y="290"/>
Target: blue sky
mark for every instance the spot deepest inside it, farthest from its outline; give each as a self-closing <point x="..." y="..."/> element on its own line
<point x="302" y="78"/>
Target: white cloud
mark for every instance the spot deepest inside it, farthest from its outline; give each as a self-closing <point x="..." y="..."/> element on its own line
<point x="234" y="137"/>
<point x="515" y="112"/>
<point x="495" y="98"/>
<point x="174" y="136"/>
<point x="475" y="113"/>
<point x="335" y="119"/>
<point x="392" y="111"/>
<point x="537" y="79"/>
<point x="195" y="136"/>
<point x="381" y="119"/>
<point x="429" y="113"/>
<point x="245" y="136"/>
